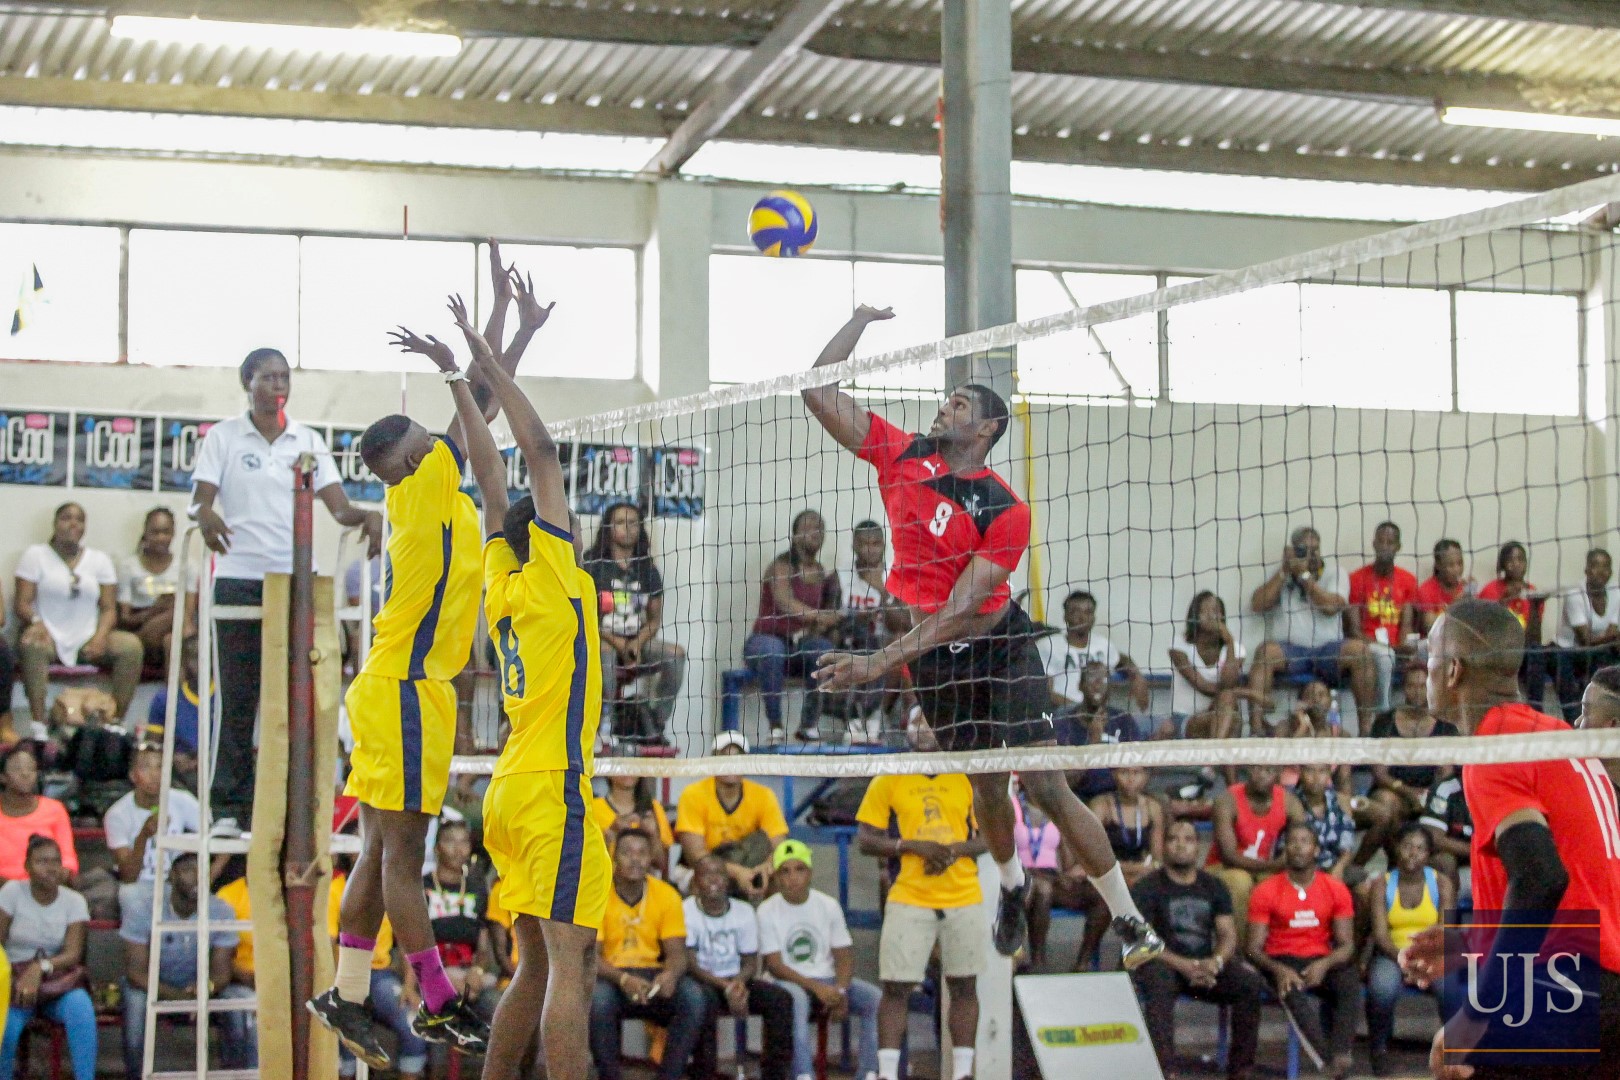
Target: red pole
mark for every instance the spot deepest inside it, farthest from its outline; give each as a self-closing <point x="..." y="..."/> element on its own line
<point x="298" y="849"/>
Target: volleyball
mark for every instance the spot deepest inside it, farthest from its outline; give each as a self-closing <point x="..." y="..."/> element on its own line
<point x="783" y="224"/>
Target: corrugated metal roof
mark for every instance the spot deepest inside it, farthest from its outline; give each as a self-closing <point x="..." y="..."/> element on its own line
<point x="671" y="79"/>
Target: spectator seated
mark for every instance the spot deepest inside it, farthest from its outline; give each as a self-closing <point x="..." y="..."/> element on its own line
<point x="734" y="818"/>
<point x="799" y="608"/>
<point x="642" y="966"/>
<point x="820" y="970"/>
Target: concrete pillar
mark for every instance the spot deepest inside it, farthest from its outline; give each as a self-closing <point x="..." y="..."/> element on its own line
<point x="976" y="50"/>
<point x="976" y="47"/>
<point x="675" y="290"/>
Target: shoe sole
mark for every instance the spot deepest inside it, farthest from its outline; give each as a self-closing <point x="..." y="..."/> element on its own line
<point x="1017" y="945"/>
<point x="367" y="1055"/>
<point x="445" y="1037"/>
<point x="1134" y="960"/>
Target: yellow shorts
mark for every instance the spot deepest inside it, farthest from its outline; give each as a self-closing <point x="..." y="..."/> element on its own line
<point x="547" y="847"/>
<point x="404" y="734"/>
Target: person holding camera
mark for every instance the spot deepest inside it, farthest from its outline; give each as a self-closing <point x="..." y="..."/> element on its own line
<point x="1304" y="603"/>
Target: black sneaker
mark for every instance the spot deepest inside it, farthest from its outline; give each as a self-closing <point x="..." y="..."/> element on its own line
<point x="353" y="1026"/>
<point x="457" y="1027"/>
<point x="1011" y="927"/>
<point x="808" y="734"/>
<point x="1141" y="943"/>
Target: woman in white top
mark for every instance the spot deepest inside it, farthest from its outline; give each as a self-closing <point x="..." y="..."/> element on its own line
<point x="147" y="583"/>
<point x="242" y="498"/>
<point x="1207" y="682"/>
<point x="65" y="603"/>
<point x="1588" y="631"/>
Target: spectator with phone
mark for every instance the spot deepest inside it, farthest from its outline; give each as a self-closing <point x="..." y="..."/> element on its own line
<point x="1304" y="603"/>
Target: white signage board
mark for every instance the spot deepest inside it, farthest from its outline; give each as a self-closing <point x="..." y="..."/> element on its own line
<point x="1086" y="1025"/>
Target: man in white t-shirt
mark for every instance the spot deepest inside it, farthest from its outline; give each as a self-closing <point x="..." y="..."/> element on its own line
<point x="806" y="946"/>
<point x="1304" y="604"/>
<point x="131" y="822"/>
<point x="1588" y="631"/>
<point x="1065" y="656"/>
<point x="722" y="938"/>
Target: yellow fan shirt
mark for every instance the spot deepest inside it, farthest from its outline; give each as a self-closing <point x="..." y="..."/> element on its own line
<point x="937" y="808"/>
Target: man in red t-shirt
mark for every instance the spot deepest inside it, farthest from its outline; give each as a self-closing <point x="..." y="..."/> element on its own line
<point x="1442" y="588"/>
<point x="959" y="531"/>
<point x="1302" y="937"/>
<point x="1546" y="833"/>
<point x="1380" y="608"/>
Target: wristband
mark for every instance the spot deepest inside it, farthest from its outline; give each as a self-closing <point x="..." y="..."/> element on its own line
<point x="455" y="377"/>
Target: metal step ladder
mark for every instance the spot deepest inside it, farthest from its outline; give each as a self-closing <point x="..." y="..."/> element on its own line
<point x="204" y="845"/>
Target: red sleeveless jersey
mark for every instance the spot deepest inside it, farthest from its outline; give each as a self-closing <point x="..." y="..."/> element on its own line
<point x="940" y="520"/>
<point x="1577" y="800"/>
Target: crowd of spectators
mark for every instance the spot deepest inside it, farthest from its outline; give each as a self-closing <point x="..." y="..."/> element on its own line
<point x="712" y="913"/>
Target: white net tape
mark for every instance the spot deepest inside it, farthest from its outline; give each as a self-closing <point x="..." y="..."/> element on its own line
<point x="1184" y="753"/>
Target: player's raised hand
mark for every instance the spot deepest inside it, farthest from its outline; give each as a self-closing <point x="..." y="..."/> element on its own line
<point x="499" y="280"/>
<point x="868" y="313"/>
<point x="531" y="315"/>
<point x="443" y="357"/>
<point x="475" y="341"/>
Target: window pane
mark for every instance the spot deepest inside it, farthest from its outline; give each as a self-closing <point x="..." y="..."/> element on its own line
<point x="1241" y="349"/>
<point x="593" y="331"/>
<point x="1077" y="362"/>
<point x="917" y="294"/>
<point x="768" y="317"/>
<point x="354" y="292"/>
<point x="1366" y="347"/>
<point x="1498" y="334"/>
<point x="61" y="285"/>
<point x="209" y="299"/>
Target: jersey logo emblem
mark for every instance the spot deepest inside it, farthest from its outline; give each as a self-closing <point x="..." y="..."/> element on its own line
<point x="958" y="647"/>
<point x="933" y="468"/>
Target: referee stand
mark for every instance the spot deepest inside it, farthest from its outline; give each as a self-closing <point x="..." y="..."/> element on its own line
<point x="288" y="848"/>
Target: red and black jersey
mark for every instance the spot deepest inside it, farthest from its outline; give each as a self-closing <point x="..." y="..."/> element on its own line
<point x="940" y="520"/>
<point x="1579" y="804"/>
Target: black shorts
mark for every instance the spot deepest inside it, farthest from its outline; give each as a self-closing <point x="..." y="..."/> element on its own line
<point x="986" y="692"/>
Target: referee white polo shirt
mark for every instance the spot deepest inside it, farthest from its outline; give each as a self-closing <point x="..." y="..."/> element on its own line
<point x="255" y="481"/>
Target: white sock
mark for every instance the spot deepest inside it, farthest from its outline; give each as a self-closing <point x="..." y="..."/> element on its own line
<point x="354" y="974"/>
<point x="1116" y="893"/>
<point x="888" y="1065"/>
<point x="1012" y="873"/>
<point x="961" y="1063"/>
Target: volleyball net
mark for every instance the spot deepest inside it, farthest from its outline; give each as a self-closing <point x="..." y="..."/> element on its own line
<point x="1452" y="377"/>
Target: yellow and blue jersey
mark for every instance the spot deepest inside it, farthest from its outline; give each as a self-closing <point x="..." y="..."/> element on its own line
<point x="542" y="617"/>
<point x="430" y="574"/>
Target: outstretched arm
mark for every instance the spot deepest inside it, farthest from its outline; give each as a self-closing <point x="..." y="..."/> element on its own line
<point x="469" y="430"/>
<point x="840" y="671"/>
<point x="839" y="413"/>
<point x="533" y="440"/>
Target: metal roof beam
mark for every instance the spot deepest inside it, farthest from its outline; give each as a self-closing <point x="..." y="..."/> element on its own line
<point x="1044" y="55"/>
<point x="1593" y="14"/>
<point x="750" y="127"/>
<point x="737" y="90"/>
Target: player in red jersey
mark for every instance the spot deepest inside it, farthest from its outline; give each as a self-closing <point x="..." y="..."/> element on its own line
<point x="1546" y="833"/>
<point x="959" y="532"/>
